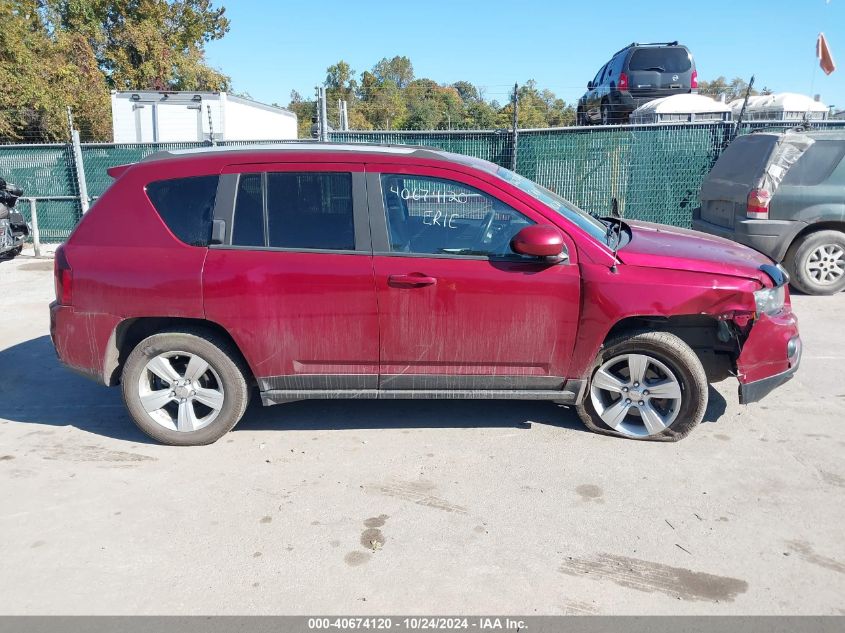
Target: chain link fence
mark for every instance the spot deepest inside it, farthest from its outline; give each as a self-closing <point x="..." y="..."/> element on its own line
<point x="654" y="171"/>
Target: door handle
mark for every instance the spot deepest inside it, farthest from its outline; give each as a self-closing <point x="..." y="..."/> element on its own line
<point x="414" y="279"/>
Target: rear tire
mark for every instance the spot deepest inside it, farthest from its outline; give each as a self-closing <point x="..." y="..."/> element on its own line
<point x="816" y="263"/>
<point x="665" y="402"/>
<point x="607" y="114"/>
<point x="198" y="380"/>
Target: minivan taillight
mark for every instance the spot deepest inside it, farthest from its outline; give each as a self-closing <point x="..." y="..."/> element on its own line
<point x="64" y="278"/>
<point x="693" y="80"/>
<point x="623" y="81"/>
<point x="757" y="207"/>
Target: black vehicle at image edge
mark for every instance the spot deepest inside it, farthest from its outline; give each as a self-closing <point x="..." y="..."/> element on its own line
<point x="635" y="75"/>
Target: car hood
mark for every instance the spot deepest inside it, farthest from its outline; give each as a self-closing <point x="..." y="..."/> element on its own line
<point x="661" y="246"/>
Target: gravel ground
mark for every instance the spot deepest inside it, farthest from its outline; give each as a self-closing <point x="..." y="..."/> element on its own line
<point x="415" y="507"/>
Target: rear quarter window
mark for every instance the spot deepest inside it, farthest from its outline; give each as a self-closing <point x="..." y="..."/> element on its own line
<point x="186" y="205"/>
<point x="816" y="165"/>
<point x="744" y="161"/>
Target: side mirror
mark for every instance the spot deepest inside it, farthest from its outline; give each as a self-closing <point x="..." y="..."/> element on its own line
<point x="540" y="240"/>
<point x="590" y="85"/>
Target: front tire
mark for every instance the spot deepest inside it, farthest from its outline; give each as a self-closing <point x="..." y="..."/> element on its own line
<point x="185" y="388"/>
<point x="816" y="263"/>
<point x="645" y="386"/>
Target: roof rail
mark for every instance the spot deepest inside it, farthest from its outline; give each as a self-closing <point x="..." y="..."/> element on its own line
<point x="633" y="44"/>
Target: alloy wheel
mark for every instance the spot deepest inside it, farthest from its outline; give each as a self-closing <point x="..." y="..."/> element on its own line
<point x="636" y="395"/>
<point x="180" y="391"/>
<point x="826" y="264"/>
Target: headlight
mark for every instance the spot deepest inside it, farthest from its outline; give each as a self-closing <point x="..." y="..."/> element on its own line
<point x="770" y="300"/>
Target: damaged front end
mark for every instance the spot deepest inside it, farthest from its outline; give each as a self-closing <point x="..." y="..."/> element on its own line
<point x="769" y="346"/>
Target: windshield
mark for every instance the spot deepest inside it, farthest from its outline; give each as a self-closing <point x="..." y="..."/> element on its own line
<point x="583" y="220"/>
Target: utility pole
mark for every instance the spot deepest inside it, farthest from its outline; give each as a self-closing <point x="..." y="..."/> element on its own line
<point x="211" y="127"/>
<point x="324" y="117"/>
<point x="78" y="165"/>
<point x="738" y="123"/>
<point x="515" y="125"/>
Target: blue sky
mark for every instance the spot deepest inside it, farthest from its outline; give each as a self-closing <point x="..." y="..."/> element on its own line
<point x="274" y="47"/>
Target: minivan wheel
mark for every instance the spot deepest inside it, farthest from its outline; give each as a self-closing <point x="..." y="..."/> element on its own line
<point x="185" y="388"/>
<point x="817" y="263"/>
<point x="645" y="386"/>
<point x="606" y="114"/>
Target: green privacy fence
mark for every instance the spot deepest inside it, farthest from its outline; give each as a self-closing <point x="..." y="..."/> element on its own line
<point x="654" y="171"/>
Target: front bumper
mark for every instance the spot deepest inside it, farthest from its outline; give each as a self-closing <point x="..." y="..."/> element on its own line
<point x="757" y="390"/>
<point x="770" y="355"/>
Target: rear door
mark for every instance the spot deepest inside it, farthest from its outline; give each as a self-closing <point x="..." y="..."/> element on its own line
<point x="293" y="281"/>
<point x="659" y="71"/>
<point x="458" y="309"/>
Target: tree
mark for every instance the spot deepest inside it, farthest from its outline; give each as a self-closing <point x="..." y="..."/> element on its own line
<point x="42" y="74"/>
<point x="146" y="44"/>
<point x="305" y="112"/>
<point x="340" y="84"/>
<point x="60" y="53"/>
<point x="389" y="97"/>
<point x="735" y="89"/>
<point x="398" y="70"/>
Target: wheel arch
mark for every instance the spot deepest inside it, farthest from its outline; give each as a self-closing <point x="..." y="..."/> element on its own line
<point x="132" y="331"/>
<point x="710" y="338"/>
<point x="815" y="227"/>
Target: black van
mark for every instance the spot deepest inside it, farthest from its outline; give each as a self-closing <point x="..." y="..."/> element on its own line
<point x="635" y="75"/>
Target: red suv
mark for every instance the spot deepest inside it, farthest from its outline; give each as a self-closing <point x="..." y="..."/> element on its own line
<point x="354" y="271"/>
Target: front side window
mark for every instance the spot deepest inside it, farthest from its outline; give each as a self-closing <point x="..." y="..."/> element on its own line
<point x="296" y="210"/>
<point x="186" y="205"/>
<point x="442" y="217"/>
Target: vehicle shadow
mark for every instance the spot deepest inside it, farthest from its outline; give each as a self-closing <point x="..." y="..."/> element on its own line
<point x="36" y="389"/>
<point x="716" y="406"/>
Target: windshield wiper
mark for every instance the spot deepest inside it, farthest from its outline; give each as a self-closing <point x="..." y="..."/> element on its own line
<point x="660" y="68"/>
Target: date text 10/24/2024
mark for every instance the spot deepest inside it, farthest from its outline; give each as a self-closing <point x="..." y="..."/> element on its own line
<point x="430" y="623"/>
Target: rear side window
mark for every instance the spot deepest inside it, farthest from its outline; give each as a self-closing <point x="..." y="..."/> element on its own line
<point x="186" y="205"/>
<point x="666" y="60"/>
<point x="816" y="165"/>
<point x="248" y="229"/>
<point x="297" y="210"/>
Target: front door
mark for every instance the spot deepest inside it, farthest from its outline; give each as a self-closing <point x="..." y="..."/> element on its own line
<point x="458" y="309"/>
<point x="293" y="280"/>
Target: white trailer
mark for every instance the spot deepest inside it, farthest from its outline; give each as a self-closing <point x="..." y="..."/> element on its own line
<point x="783" y="106"/>
<point x="684" y="108"/>
<point x="167" y="117"/>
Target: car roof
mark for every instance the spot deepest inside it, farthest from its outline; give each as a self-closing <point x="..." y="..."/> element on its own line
<point x="361" y="149"/>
